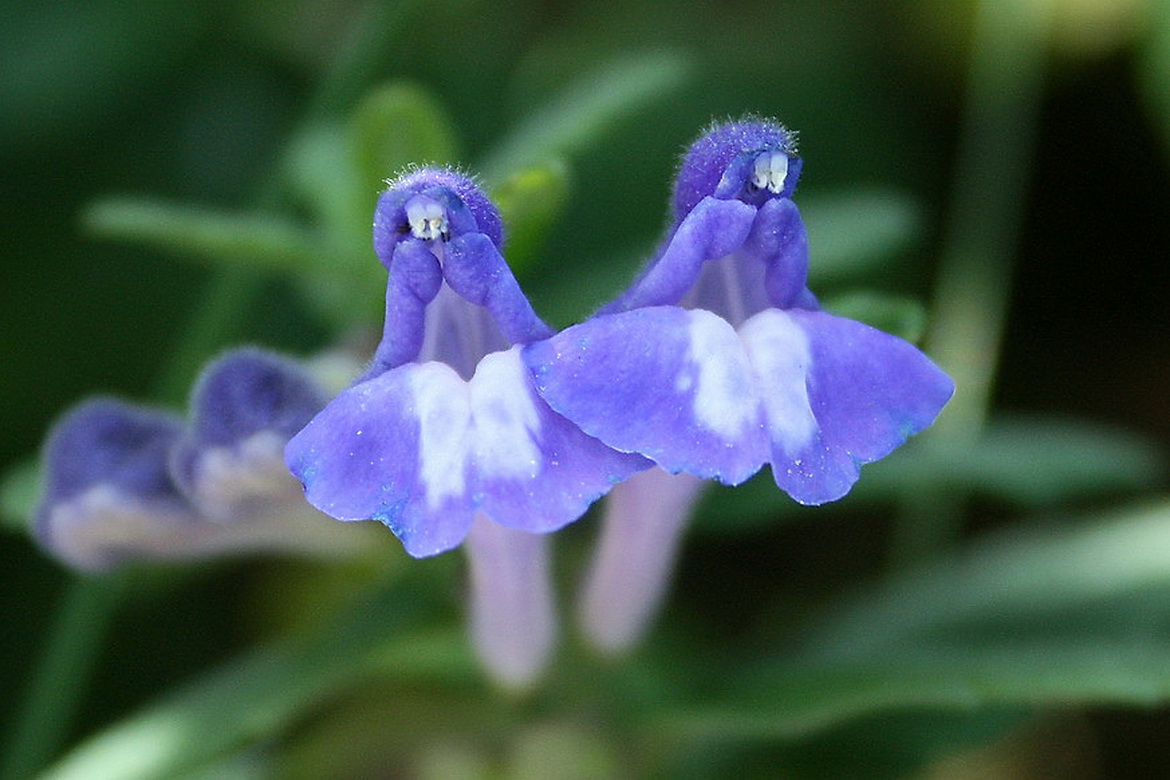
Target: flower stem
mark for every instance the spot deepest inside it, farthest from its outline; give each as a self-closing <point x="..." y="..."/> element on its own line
<point x="59" y="681"/>
<point x="1006" y="77"/>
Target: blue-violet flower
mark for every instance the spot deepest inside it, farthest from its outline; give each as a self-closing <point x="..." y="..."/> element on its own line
<point x="446" y="424"/>
<point x="127" y="482"/>
<point x="718" y="359"/>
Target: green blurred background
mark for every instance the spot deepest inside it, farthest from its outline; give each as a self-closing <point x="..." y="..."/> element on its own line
<point x="195" y="102"/>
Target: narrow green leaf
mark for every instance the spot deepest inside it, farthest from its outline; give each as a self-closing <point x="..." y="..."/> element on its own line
<point x="584" y="110"/>
<point x="853" y="232"/>
<point x="1021" y="575"/>
<point x="1028" y="462"/>
<point x="219" y="238"/>
<point x="252" y="698"/>
<point x="323" y="174"/>
<point x="347" y="282"/>
<point x="20" y="487"/>
<point x="530" y="202"/>
<point x="1055" y="615"/>
<point x="397" y="125"/>
<point x="1153" y="65"/>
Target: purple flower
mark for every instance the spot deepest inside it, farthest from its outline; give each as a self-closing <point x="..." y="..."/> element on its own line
<point x="446" y="423"/>
<point x="718" y="359"/>
<point x="244" y="410"/>
<point x="108" y="495"/>
<point x="126" y="482"/>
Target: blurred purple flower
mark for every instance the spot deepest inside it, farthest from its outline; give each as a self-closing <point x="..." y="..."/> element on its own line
<point x="126" y="482"/>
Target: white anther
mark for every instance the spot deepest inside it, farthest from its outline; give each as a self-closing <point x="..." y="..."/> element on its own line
<point x="771" y="169"/>
<point x="427" y="218"/>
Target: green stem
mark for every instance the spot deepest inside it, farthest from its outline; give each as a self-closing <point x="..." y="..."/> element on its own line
<point x="87" y="609"/>
<point x="55" y="689"/>
<point x="1006" y="77"/>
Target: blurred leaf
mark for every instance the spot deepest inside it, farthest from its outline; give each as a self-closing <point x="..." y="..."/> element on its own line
<point x="584" y="110"/>
<point x="1028" y="462"/>
<point x="350" y="282"/>
<point x="530" y="202"/>
<point x="252" y="764"/>
<point x="890" y="745"/>
<point x="1031" y="462"/>
<point x="67" y="67"/>
<point x="218" y="238"/>
<point x="1154" y="66"/>
<point x="895" y="745"/>
<point x="591" y="284"/>
<point x="573" y="751"/>
<point x="323" y="173"/>
<point x="853" y="232"/>
<point x="1075" y="616"/>
<point x="901" y="316"/>
<point x="20" y="487"/>
<point x="397" y="125"/>
<point x="259" y="695"/>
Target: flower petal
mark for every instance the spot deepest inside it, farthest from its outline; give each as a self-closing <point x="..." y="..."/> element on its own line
<point x="780" y="240"/>
<point x="393" y="449"/>
<point x="671" y="384"/>
<point x="414" y="280"/>
<point x="246" y="405"/>
<point x="535" y="470"/>
<point x="475" y="269"/>
<point x="713" y="229"/>
<point x="108" y="494"/>
<point x="421" y="450"/>
<point x="836" y="394"/>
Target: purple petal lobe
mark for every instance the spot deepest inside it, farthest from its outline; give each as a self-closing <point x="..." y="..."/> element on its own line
<point x="536" y="470"/>
<point x="422" y="450"/>
<point x="392" y="449"/>
<point x="837" y="394"/>
<point x="713" y="229"/>
<point x="671" y="384"/>
<point x="475" y="269"/>
<point x="246" y="405"/>
<point x="108" y="494"/>
<point x="780" y="241"/>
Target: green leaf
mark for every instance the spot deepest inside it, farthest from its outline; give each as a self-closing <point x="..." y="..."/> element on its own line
<point x="322" y="171"/>
<point x="348" y="282"/>
<point x="260" y="241"/>
<point x="890" y="745"/>
<point x="853" y="232"/>
<point x="262" y="693"/>
<point x="1026" y="462"/>
<point x="901" y="316"/>
<point x="1054" y="615"/>
<point x="397" y="125"/>
<point x="530" y="202"/>
<point x="20" y="488"/>
<point x="583" y="111"/>
<point x="1031" y="462"/>
<point x="1153" y="66"/>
